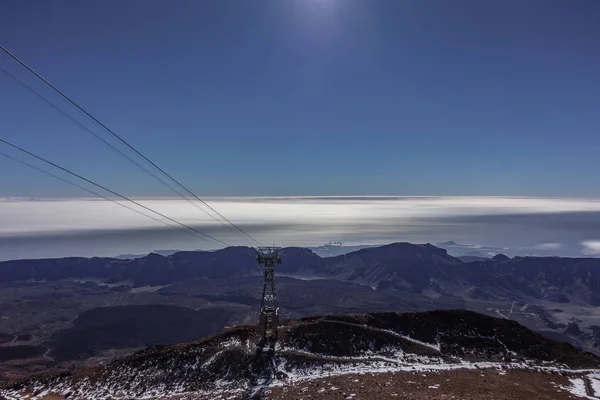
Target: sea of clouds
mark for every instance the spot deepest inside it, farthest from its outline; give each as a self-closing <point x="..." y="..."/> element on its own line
<point x="88" y="227"/>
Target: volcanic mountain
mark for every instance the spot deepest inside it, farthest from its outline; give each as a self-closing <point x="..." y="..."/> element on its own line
<point x="413" y="355"/>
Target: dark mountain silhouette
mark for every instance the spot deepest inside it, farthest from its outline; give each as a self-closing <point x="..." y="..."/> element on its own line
<point x="501" y="257"/>
<point x="301" y="261"/>
<point x="399" y="266"/>
<point x="151" y="270"/>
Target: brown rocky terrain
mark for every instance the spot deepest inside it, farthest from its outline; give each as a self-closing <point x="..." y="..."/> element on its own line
<point x="436" y="354"/>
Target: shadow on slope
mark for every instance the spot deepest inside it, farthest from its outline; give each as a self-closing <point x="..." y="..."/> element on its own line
<point x="133" y="326"/>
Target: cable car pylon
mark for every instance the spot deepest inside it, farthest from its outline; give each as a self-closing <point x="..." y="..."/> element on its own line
<point x="269" y="311"/>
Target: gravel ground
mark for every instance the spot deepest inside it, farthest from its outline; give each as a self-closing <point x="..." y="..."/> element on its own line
<point x="483" y="384"/>
<point x="464" y="385"/>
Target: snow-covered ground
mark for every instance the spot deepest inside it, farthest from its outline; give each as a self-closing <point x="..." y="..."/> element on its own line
<point x="146" y="380"/>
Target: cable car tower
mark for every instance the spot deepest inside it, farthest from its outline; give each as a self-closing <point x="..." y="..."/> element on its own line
<point x="269" y="311"/>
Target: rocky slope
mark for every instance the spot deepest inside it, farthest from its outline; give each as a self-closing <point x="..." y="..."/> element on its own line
<point x="236" y="364"/>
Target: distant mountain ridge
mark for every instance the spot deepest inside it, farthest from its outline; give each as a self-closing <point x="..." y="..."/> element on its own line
<point x="152" y="270"/>
<point x="398" y="266"/>
<point x="327" y="250"/>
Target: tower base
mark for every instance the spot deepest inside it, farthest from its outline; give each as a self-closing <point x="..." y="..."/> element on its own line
<point x="268" y="326"/>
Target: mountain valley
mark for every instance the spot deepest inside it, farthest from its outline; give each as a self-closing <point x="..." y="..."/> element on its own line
<point x="63" y="314"/>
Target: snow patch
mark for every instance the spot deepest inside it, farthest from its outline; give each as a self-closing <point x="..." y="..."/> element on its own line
<point x="577" y="388"/>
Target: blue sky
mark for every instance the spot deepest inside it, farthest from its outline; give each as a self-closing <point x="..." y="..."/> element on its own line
<point x="314" y="97"/>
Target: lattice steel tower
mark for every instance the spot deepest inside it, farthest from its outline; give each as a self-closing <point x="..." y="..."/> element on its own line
<point x="269" y="311"/>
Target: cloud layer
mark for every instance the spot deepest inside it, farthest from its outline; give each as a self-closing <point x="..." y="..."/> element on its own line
<point x="95" y="227"/>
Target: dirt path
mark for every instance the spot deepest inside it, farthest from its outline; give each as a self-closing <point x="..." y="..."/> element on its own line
<point x="589" y="390"/>
<point x="379" y="330"/>
<point x="46" y="354"/>
<point x="332" y="359"/>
